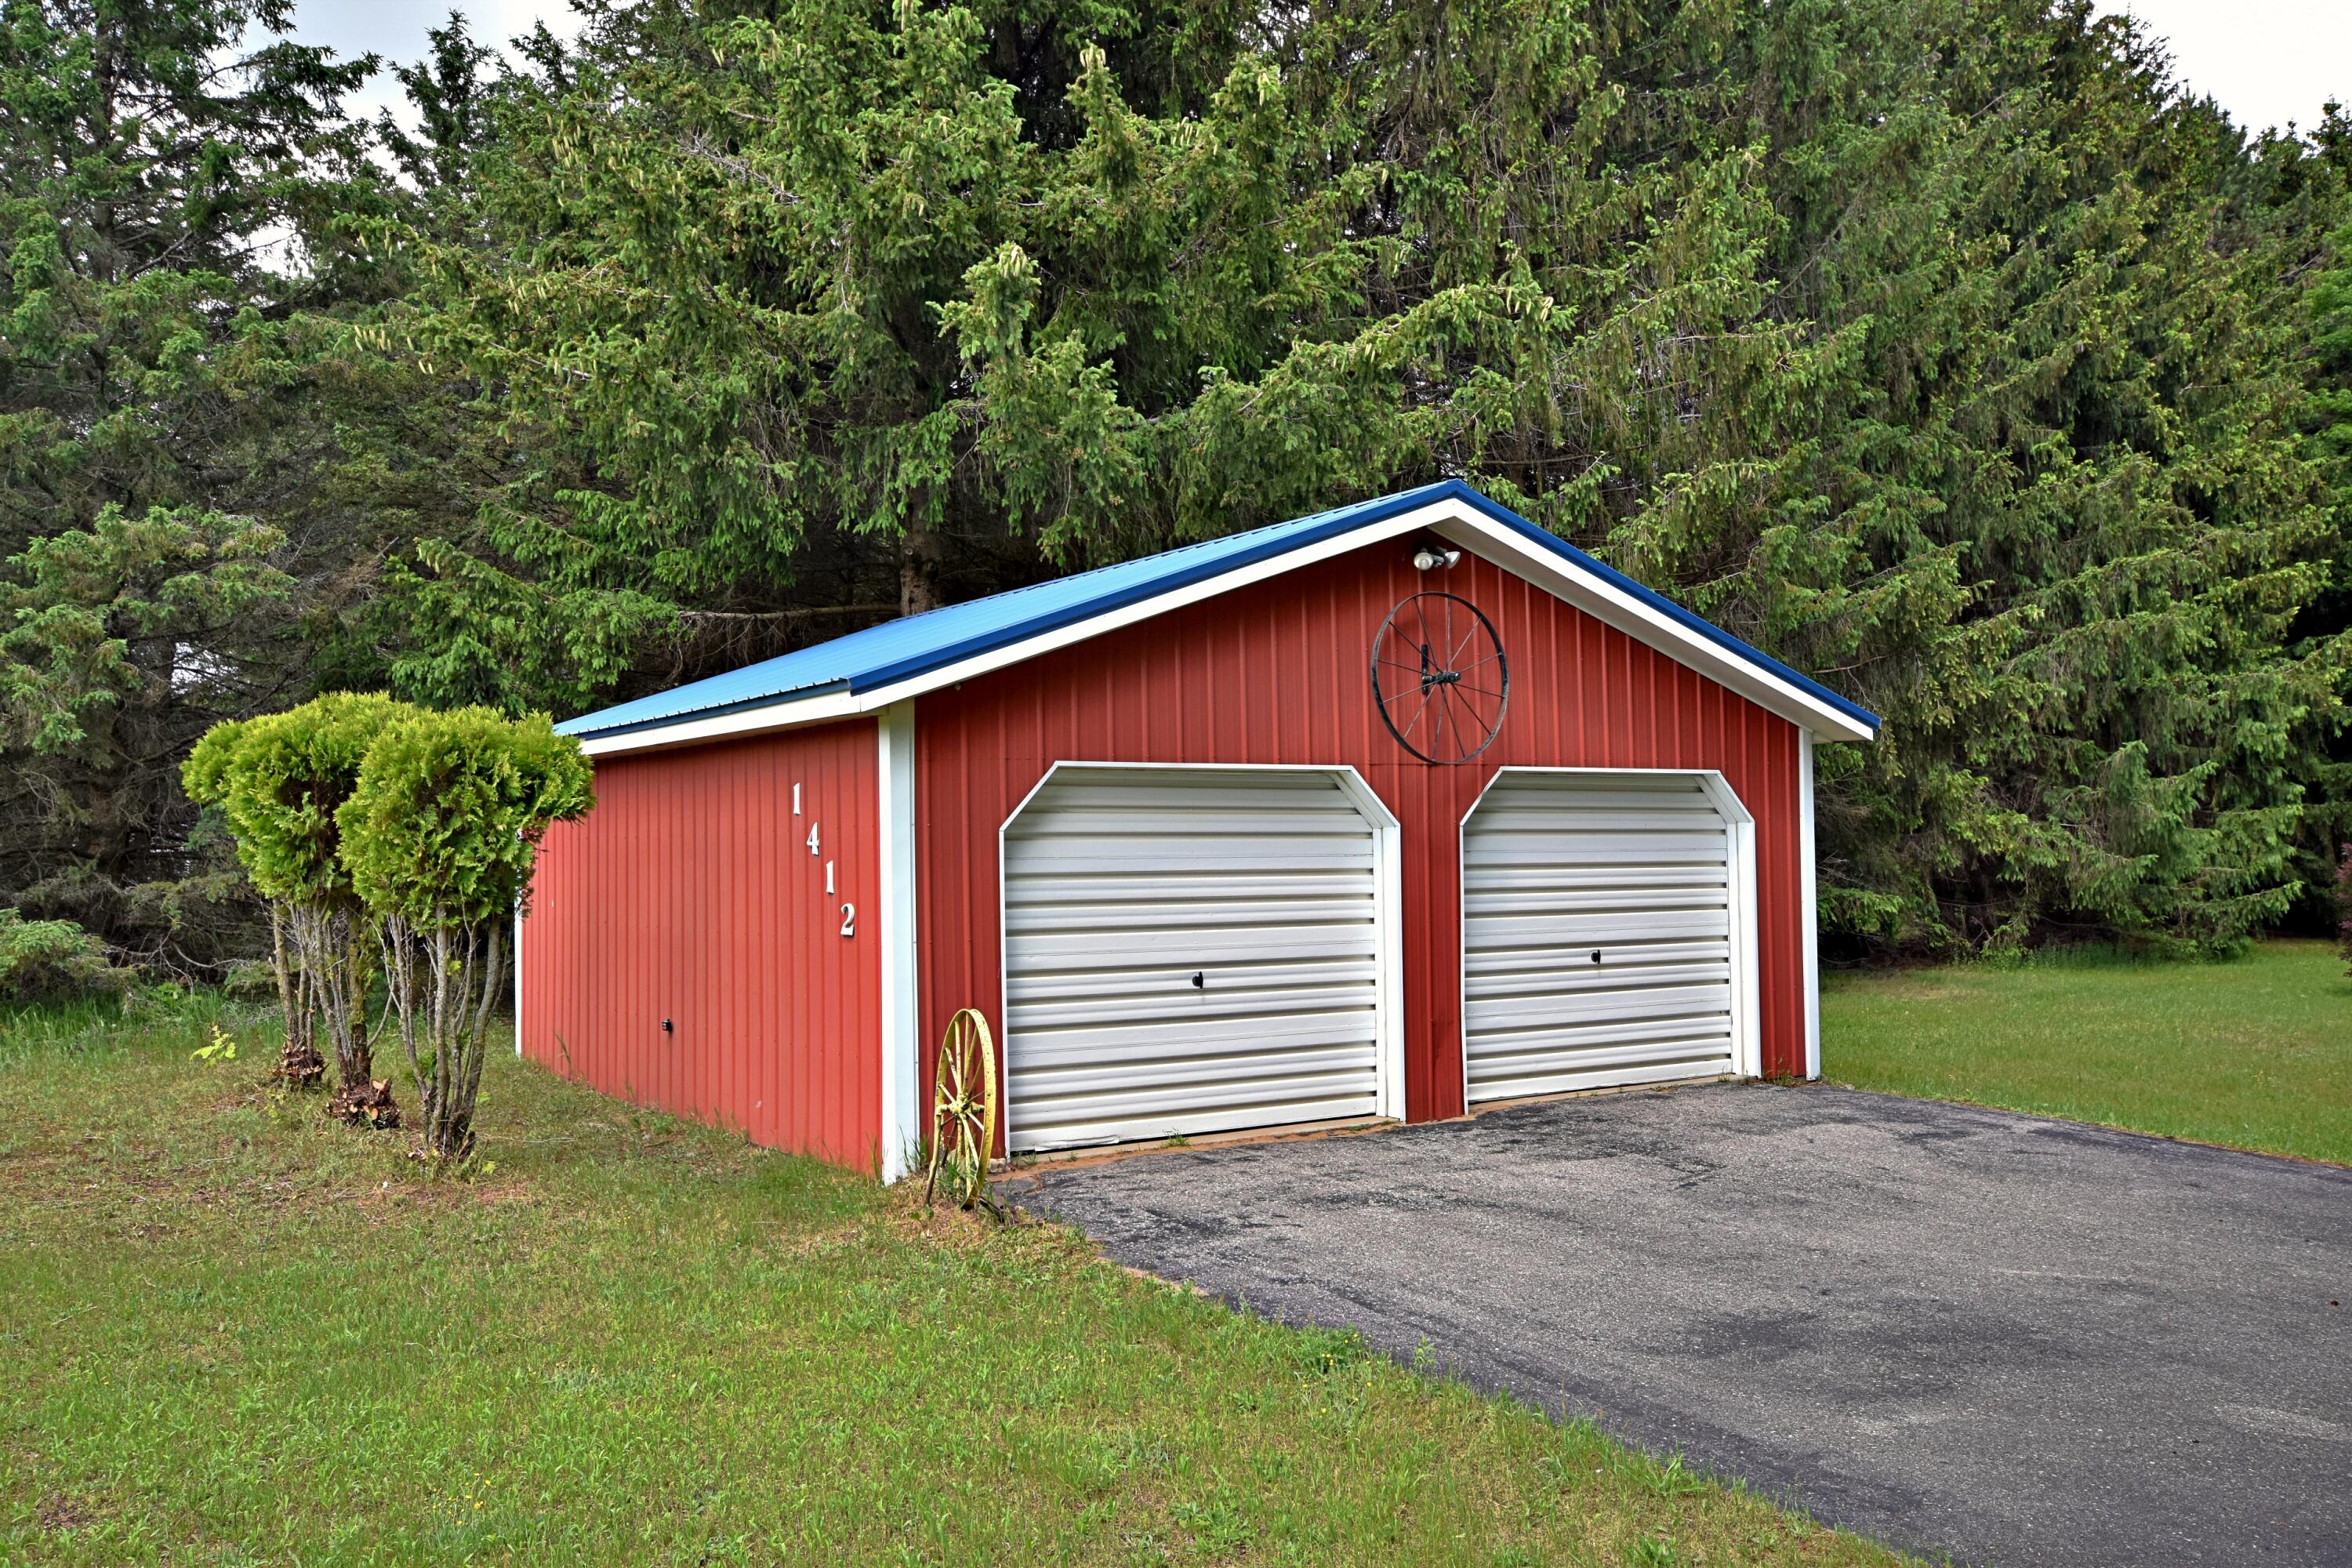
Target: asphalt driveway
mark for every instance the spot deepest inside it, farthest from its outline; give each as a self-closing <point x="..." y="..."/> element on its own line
<point x="1963" y="1331"/>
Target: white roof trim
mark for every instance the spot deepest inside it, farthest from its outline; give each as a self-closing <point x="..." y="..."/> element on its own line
<point x="1606" y="601"/>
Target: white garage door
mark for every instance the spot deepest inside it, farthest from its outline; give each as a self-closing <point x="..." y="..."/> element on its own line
<point x="1597" y="934"/>
<point x="1188" y="952"/>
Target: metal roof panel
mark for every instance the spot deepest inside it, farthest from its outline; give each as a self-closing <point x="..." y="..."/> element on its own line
<point x="909" y="648"/>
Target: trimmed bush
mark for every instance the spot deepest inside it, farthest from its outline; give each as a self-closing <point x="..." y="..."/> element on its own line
<point x="280" y="780"/>
<point x="439" y="838"/>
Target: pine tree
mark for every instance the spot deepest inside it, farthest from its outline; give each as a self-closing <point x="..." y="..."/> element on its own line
<point x="151" y="160"/>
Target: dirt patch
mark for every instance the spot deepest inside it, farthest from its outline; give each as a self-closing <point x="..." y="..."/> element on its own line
<point x="59" y="1513"/>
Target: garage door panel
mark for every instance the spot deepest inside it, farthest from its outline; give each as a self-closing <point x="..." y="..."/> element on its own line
<point x="1194" y="914"/>
<point x="1716" y="950"/>
<point x="1200" y="815"/>
<point x="1160" y="1039"/>
<point x="1604" y="1072"/>
<point x="1164" y="852"/>
<point x="1633" y="851"/>
<point x="1109" y="1009"/>
<point x="1028" y="892"/>
<point x="1541" y="817"/>
<point x="1587" y="930"/>
<point x="1071" y="1098"/>
<point x="1173" y="1117"/>
<point x="1588" y="1046"/>
<point x="1708" y="894"/>
<point x="1125" y="792"/>
<point x="1048" y="950"/>
<point x="1540" y="974"/>
<point x="1130" y="987"/>
<point x="1120" y="886"/>
<point x="1142" y="1078"/>
<point x="1560" y="865"/>
<point x="1651" y="795"/>
<point x="1558" y="1009"/>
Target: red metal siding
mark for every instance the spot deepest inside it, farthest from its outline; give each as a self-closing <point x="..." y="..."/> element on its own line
<point x="689" y="893"/>
<point x="1277" y="673"/>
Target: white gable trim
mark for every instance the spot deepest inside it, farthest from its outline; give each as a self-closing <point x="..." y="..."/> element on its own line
<point x="1449" y="518"/>
<point x="1606" y="601"/>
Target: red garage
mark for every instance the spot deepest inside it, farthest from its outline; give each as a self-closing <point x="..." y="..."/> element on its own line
<point x="1394" y="811"/>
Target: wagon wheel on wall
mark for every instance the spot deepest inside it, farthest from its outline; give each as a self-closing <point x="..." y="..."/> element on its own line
<point x="1438" y="678"/>
<point x="963" y="1110"/>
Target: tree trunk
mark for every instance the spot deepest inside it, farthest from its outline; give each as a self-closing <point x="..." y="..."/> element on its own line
<point x="299" y="1062"/>
<point x="921" y="552"/>
<point x="446" y="1010"/>
<point x="336" y="974"/>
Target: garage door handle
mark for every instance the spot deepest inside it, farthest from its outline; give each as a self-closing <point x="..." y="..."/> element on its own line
<point x="1198" y="984"/>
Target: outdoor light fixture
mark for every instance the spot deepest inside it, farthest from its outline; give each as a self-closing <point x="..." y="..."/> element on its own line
<point x="1427" y="559"/>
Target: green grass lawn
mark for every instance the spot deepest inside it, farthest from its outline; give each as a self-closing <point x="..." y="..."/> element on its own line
<point x="2255" y="1052"/>
<point x="232" y="1332"/>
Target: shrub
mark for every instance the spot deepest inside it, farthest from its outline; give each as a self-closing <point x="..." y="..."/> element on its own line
<point x="439" y="839"/>
<point x="41" y="959"/>
<point x="280" y="780"/>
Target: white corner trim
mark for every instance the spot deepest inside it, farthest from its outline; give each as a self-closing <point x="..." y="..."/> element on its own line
<point x="518" y="978"/>
<point x="900" y="1130"/>
<point x="1809" y="916"/>
<point x="1388" y="839"/>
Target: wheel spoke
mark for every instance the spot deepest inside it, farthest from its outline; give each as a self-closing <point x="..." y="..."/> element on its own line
<point x="1485" y="731"/>
<point x="1449" y="707"/>
<point x="1406" y="735"/>
<point x="1453" y="660"/>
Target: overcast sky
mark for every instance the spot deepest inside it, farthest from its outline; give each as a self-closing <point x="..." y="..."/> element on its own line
<point x="2266" y="61"/>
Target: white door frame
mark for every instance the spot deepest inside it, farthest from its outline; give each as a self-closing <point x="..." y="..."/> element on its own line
<point x="1387" y="908"/>
<point x="1747" y="1033"/>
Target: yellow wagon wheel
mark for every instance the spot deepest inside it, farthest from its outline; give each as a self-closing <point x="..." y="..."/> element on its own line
<point x="963" y="1110"/>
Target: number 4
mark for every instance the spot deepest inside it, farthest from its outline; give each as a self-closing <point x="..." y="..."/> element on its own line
<point x="812" y="839"/>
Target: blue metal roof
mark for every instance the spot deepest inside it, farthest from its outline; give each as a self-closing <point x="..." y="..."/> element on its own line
<point x="900" y="649"/>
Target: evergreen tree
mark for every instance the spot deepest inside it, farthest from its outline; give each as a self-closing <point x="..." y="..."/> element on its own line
<point x="1920" y="343"/>
<point x="1942" y="347"/>
<point x="155" y="167"/>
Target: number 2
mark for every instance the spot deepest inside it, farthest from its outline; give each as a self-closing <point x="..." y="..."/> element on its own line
<point x="849" y="920"/>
